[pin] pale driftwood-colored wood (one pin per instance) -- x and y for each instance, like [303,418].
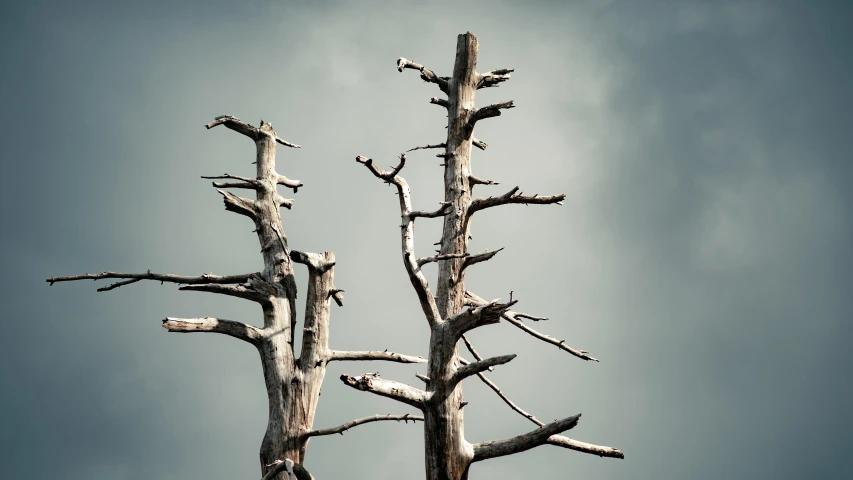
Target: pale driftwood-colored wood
[241,331]
[340,429]
[373,355]
[513,318]
[452,311]
[292,383]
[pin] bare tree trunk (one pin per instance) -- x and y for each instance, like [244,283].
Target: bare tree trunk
[453,310]
[293,384]
[448,454]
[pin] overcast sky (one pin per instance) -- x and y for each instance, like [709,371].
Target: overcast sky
[703,251]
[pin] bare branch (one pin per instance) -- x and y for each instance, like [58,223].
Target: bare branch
[513,196]
[477,316]
[239,291]
[489,111]
[557,440]
[378,172]
[472,180]
[439,101]
[442,211]
[482,257]
[509,402]
[494,78]
[481,366]
[407,232]
[361,421]
[284,202]
[512,317]
[286,143]
[479,144]
[523,442]
[443,256]
[438,145]
[422,378]
[135,277]
[294,184]
[387,356]
[335,293]
[243,206]
[245,182]
[583,447]
[387,388]
[117,284]
[426,74]
[235,124]
[242,331]
[473,351]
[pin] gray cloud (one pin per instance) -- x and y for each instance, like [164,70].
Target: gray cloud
[702,254]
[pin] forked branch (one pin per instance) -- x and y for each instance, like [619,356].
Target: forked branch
[407,232]
[494,78]
[340,429]
[135,277]
[476,316]
[246,129]
[514,196]
[513,318]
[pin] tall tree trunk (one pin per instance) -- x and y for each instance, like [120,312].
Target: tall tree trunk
[453,310]
[448,455]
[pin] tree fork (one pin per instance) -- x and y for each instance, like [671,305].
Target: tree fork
[293,385]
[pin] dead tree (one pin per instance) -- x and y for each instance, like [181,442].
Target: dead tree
[292,379]
[452,310]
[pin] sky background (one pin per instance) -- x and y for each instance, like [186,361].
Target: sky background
[703,252]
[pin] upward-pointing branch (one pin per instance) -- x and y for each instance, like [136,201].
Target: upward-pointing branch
[494,78]
[513,318]
[407,234]
[246,129]
[489,111]
[513,196]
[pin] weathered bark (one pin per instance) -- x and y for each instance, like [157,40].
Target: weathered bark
[293,384]
[448,455]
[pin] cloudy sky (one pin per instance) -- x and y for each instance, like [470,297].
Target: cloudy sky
[703,251]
